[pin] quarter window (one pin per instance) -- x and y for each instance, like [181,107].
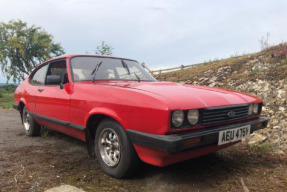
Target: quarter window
[39,76]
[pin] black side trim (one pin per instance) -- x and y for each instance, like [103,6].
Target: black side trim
[175,143]
[60,122]
[15,106]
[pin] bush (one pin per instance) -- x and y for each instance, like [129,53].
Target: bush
[9,88]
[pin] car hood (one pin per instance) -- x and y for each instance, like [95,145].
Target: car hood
[182,96]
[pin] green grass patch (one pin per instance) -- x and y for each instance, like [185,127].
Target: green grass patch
[6,100]
[262,148]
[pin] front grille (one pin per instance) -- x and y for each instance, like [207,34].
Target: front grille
[224,114]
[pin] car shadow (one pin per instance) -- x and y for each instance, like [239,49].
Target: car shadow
[200,172]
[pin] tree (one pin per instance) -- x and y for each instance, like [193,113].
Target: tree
[104,49]
[22,47]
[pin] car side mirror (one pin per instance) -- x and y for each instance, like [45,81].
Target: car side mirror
[64,80]
[53,80]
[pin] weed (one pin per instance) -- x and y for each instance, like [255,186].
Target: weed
[262,148]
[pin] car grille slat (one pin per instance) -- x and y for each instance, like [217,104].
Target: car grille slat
[220,114]
[224,114]
[222,118]
[225,111]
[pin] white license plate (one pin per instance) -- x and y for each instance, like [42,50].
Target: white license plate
[231,135]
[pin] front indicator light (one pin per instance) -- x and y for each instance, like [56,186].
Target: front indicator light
[192,141]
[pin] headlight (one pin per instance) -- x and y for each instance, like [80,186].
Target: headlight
[250,110]
[193,116]
[255,108]
[177,118]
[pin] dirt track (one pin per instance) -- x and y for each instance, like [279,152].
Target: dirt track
[35,164]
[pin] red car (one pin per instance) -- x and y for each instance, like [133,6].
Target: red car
[125,115]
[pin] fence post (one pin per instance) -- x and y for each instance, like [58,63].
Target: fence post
[144,66]
[181,67]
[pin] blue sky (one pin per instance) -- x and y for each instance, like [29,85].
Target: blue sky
[161,33]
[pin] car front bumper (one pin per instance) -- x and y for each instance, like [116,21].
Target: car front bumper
[177,143]
[15,106]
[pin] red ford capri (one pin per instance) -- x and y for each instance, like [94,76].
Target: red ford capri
[126,116]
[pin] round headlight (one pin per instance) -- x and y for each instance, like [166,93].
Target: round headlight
[177,118]
[193,116]
[255,108]
[250,110]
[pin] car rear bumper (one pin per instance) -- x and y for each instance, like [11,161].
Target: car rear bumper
[178,143]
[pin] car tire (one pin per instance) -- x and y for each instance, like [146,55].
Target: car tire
[114,151]
[31,127]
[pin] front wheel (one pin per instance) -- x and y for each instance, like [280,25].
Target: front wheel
[31,127]
[114,150]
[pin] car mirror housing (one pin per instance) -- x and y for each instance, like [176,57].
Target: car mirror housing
[53,80]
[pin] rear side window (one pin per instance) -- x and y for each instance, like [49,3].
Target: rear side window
[39,76]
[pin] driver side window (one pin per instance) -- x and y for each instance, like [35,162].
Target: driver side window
[58,68]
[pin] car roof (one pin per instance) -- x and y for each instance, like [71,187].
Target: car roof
[68,56]
[86,55]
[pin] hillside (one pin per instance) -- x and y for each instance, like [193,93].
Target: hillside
[263,74]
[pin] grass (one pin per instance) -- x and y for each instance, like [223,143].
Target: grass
[262,148]
[6,100]
[7,96]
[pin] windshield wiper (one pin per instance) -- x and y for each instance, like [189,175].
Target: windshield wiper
[128,70]
[138,78]
[94,72]
[126,67]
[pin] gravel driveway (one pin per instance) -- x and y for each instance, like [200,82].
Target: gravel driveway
[39,163]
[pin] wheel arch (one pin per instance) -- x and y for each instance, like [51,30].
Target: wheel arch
[92,121]
[21,106]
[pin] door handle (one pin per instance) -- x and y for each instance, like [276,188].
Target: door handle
[40,90]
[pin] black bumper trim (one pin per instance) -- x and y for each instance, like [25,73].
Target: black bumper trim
[60,122]
[175,143]
[15,106]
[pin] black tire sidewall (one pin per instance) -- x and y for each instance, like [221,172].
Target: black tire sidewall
[128,159]
[35,128]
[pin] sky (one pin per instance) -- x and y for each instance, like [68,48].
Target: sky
[161,33]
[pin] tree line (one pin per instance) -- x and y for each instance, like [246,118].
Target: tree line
[23,47]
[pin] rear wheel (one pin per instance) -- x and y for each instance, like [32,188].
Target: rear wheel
[31,127]
[114,150]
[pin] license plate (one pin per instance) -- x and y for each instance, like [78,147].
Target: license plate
[231,135]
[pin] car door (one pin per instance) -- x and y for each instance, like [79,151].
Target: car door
[52,101]
[36,82]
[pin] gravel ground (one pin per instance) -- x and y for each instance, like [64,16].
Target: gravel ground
[39,163]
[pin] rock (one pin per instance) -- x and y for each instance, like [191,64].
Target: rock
[276,139]
[280,152]
[274,121]
[276,127]
[65,188]
[256,138]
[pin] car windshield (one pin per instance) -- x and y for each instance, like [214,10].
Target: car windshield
[86,68]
